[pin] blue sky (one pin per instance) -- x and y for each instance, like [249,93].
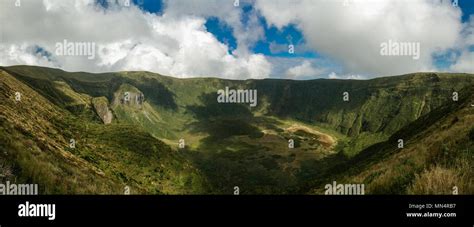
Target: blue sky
[223,32]
[276,40]
[467,8]
[195,38]
[290,33]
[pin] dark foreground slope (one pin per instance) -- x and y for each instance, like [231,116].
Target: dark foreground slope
[228,145]
[437,156]
[35,144]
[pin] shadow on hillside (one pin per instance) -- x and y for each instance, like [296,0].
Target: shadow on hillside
[156,93]
[376,153]
[210,108]
[227,160]
[310,101]
[48,90]
[255,169]
[221,120]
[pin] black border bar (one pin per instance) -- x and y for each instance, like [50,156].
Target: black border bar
[365,210]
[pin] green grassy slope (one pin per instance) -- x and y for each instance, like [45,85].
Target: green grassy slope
[231,145]
[437,156]
[36,135]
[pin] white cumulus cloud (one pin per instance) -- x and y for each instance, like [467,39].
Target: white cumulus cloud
[352,33]
[126,38]
[304,70]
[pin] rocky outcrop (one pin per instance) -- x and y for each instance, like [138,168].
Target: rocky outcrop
[101,107]
[128,95]
[132,98]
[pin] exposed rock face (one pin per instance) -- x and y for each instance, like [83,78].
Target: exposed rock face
[101,106]
[128,95]
[132,98]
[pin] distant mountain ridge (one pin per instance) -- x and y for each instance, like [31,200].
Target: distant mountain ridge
[228,144]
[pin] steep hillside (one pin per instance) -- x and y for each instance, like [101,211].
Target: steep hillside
[45,144]
[160,134]
[376,108]
[437,156]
